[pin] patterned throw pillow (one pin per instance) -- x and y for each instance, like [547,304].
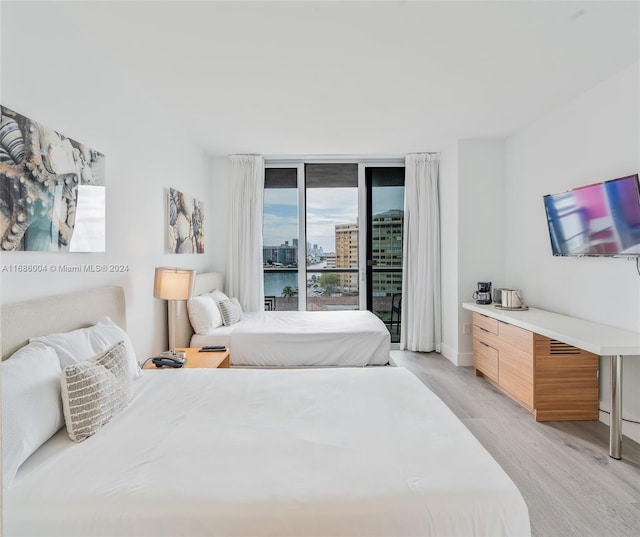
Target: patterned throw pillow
[94,391]
[231,311]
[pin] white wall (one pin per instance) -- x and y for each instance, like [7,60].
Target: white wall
[592,138]
[481,229]
[57,79]
[220,214]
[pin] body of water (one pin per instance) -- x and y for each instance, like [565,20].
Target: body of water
[275,282]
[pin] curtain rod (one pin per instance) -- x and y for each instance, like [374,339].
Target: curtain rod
[335,158]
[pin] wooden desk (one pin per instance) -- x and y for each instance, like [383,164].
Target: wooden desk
[197,359]
[597,338]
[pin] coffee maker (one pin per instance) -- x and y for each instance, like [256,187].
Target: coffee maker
[483,294]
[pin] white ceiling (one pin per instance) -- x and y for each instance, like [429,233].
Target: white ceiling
[360,77]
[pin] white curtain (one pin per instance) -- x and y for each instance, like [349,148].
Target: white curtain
[244,263]
[421,309]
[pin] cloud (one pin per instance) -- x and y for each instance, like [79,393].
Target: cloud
[278,229]
[326,208]
[340,202]
[280,220]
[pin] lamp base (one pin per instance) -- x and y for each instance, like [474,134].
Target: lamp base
[176,355]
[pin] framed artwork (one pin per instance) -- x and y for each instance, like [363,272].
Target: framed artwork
[52,189]
[186,223]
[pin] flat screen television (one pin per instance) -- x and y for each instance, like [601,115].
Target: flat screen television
[602,219]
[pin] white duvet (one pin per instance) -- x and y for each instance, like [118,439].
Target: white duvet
[304,338]
[237,452]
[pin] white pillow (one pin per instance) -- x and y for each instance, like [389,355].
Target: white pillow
[31,404]
[95,390]
[84,343]
[204,314]
[231,311]
[106,333]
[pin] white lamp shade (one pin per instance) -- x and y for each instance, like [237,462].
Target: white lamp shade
[173,283]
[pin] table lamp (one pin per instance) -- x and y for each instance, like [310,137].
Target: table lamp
[173,284]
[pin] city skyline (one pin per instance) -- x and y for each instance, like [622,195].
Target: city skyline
[331,288]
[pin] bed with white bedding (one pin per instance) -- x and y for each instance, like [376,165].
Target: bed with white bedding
[341,452]
[303,338]
[292,338]
[251,452]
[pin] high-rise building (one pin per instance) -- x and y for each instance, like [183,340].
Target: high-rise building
[330,258]
[285,254]
[387,232]
[347,255]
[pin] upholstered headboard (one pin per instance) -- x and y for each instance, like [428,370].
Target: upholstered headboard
[205,283]
[60,313]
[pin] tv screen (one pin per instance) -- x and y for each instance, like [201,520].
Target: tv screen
[602,219]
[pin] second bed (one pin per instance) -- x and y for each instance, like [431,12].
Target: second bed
[292,338]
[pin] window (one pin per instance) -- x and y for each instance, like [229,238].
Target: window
[280,239]
[333,237]
[331,193]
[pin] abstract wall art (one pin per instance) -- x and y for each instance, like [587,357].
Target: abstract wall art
[186,223]
[52,189]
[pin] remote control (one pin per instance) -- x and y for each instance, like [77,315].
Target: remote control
[213,348]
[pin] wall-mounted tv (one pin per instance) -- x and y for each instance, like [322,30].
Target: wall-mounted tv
[602,219]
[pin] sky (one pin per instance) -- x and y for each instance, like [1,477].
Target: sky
[326,207]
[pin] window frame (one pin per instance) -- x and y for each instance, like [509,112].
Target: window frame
[299,162]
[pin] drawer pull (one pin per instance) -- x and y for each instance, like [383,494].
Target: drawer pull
[483,329]
[483,343]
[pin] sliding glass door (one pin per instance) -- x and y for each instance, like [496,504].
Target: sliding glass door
[385,223]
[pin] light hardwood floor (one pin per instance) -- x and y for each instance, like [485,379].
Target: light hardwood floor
[570,484]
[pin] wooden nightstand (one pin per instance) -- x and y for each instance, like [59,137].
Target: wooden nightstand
[196,359]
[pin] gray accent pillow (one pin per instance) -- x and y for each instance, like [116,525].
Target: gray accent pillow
[231,311]
[95,390]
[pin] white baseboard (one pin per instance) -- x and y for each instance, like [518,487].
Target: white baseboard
[459,359]
[448,353]
[465,359]
[630,430]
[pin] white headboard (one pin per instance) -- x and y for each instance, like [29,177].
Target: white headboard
[60,313]
[205,283]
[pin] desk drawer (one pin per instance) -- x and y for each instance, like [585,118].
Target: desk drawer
[485,336]
[489,324]
[516,337]
[485,359]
